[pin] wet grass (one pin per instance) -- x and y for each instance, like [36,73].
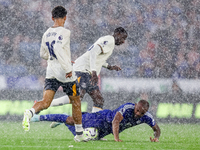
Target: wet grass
[42,137]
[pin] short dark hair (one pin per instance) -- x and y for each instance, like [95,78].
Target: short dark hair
[59,12]
[144,103]
[120,30]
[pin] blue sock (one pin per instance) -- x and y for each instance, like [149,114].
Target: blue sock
[71,128]
[54,117]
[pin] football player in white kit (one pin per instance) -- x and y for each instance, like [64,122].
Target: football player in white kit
[55,48]
[88,66]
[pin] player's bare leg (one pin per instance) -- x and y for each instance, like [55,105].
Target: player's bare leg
[46,101]
[38,106]
[97,99]
[61,101]
[98,102]
[82,93]
[76,109]
[55,102]
[77,117]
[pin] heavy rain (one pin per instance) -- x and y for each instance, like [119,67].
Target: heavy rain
[159,61]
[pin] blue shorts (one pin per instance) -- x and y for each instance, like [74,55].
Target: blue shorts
[70,88]
[84,80]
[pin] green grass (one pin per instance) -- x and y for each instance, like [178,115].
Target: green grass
[42,137]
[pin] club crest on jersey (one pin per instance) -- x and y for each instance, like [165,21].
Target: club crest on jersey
[60,37]
[105,42]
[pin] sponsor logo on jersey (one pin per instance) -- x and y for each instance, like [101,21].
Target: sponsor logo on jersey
[122,110]
[103,44]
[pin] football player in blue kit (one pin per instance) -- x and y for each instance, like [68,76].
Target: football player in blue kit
[111,121]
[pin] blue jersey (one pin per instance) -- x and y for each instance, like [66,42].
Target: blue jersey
[102,120]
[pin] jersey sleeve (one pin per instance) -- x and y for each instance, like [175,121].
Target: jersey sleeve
[126,109]
[105,65]
[62,51]
[148,119]
[43,50]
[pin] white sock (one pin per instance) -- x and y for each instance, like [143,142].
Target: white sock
[78,127]
[96,109]
[60,101]
[33,111]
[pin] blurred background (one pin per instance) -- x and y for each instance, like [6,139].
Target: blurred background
[160,59]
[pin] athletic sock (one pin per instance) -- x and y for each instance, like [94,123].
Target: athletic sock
[32,110]
[96,109]
[60,101]
[79,129]
[54,117]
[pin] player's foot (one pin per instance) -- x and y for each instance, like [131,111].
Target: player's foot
[55,124]
[35,118]
[26,120]
[81,138]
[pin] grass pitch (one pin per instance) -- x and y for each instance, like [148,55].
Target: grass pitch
[42,137]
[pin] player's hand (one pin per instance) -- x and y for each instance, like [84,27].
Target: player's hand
[114,68]
[94,78]
[118,140]
[154,140]
[68,75]
[73,62]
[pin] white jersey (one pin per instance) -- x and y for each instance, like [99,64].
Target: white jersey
[107,44]
[55,48]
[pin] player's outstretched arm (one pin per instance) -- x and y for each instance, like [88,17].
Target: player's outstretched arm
[113,67]
[115,126]
[156,130]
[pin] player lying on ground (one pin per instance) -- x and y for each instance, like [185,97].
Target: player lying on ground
[108,121]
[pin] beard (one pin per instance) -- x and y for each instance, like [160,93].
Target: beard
[117,42]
